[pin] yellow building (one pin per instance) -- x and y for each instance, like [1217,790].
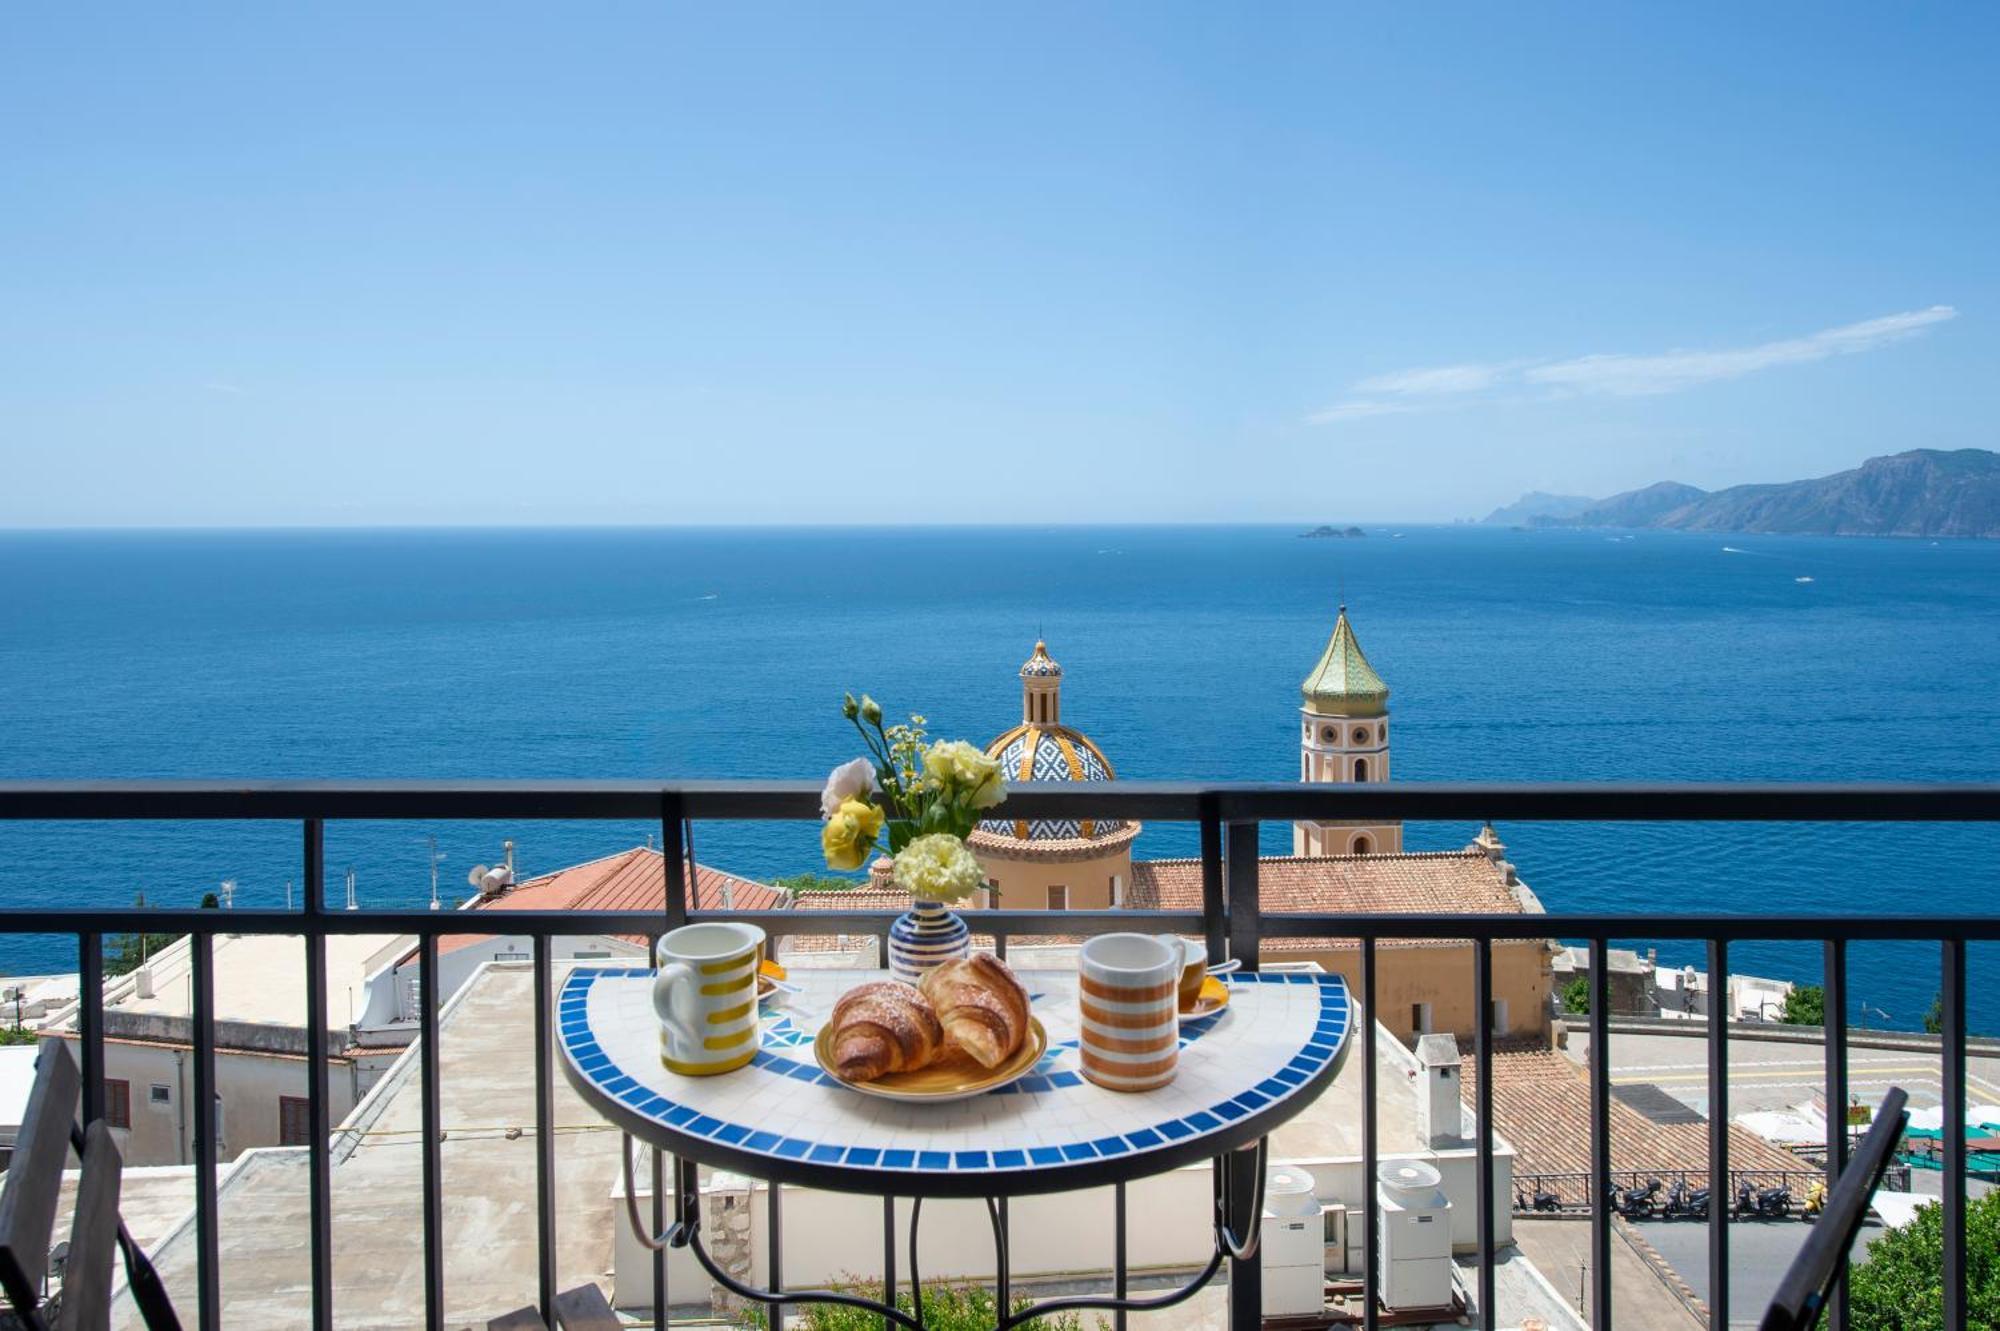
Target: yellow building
[1052,864]
[1344,737]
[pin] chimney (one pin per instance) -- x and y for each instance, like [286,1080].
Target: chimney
[508,847]
[1440,1114]
[729,894]
[142,982]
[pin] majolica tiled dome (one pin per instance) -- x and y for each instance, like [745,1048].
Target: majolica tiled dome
[1043,749]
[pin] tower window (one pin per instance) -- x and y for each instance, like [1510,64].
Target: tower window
[1360,769]
[1361,734]
[1362,845]
[1059,898]
[1330,735]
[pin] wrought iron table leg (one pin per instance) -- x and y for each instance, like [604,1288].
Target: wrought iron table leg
[1239,1206]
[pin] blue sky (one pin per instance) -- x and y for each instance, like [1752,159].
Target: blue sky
[494,263]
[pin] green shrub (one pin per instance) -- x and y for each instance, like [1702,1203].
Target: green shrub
[947,1307]
[1805,1005]
[1576,996]
[817,882]
[1900,1285]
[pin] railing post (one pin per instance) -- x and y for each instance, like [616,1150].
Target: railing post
[1482,969]
[1719,1196]
[1836,1100]
[673,857]
[90,1021]
[1370,1143]
[432,1129]
[319,1129]
[1600,1137]
[208,1110]
[1214,907]
[545,1139]
[1951,999]
[1240,881]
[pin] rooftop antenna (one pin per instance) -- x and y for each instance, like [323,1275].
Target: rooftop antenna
[351,903]
[229,894]
[436,860]
[288,894]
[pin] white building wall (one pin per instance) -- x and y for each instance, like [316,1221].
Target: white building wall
[248,1084]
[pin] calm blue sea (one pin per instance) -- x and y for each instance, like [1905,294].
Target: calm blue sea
[648,653]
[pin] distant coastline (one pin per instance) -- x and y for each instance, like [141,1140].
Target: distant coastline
[1920,493]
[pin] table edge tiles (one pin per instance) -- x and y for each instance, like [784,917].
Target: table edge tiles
[650,1118]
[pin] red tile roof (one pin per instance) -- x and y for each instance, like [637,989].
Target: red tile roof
[1443,882]
[1541,1103]
[632,880]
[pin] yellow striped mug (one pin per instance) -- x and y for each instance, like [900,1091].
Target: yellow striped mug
[706,997]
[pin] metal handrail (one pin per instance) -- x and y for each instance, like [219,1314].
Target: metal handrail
[1228,815]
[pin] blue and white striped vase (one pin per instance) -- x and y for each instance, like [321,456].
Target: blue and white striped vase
[923,938]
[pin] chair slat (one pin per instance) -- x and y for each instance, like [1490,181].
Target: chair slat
[93,1237]
[585,1309]
[34,1176]
[1803,1289]
[521,1319]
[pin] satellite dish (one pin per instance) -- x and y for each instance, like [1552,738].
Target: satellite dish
[478,875]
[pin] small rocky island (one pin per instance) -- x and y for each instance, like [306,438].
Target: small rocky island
[1331,533]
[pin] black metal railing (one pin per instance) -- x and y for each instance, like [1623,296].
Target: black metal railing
[1228,816]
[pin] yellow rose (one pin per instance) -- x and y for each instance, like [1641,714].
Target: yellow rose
[849,834]
[963,770]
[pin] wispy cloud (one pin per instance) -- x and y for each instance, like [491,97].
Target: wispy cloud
[1347,411]
[1619,375]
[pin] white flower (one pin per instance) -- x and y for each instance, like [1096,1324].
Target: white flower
[938,867]
[849,781]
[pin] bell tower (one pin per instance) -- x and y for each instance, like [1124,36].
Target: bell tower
[1344,737]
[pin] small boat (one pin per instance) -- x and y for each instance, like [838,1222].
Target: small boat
[1805,579]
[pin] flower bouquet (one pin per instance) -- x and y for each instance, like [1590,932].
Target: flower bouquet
[915,801]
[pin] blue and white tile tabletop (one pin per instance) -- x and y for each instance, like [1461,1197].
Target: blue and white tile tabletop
[1243,1071]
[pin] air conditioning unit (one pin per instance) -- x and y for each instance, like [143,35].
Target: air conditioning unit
[1293,1248]
[1414,1235]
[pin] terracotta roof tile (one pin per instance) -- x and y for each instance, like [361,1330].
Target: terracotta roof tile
[632,880]
[1541,1104]
[1444,882]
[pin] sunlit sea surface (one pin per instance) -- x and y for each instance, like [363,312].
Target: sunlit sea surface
[1512,656]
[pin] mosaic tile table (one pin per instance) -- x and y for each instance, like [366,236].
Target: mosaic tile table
[1242,1072]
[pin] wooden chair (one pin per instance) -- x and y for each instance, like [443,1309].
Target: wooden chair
[581,1309]
[28,1211]
[1807,1283]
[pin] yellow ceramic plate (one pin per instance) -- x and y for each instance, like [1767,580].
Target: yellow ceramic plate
[956,1076]
[1214,997]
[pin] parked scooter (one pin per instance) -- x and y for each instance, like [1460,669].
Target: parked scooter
[1637,1203]
[1815,1200]
[1765,1204]
[1685,1203]
[1544,1199]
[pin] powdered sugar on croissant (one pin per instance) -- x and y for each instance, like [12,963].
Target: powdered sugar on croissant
[883,1027]
[983,1008]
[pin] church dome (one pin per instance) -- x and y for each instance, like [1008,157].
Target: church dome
[1041,748]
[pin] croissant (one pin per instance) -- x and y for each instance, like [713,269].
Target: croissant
[983,1008]
[883,1027]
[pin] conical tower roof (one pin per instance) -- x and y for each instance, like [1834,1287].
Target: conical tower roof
[1343,683]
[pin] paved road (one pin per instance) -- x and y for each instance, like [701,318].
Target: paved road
[1767,1075]
[1759,1252]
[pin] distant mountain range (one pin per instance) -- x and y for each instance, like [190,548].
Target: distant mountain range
[1924,492]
